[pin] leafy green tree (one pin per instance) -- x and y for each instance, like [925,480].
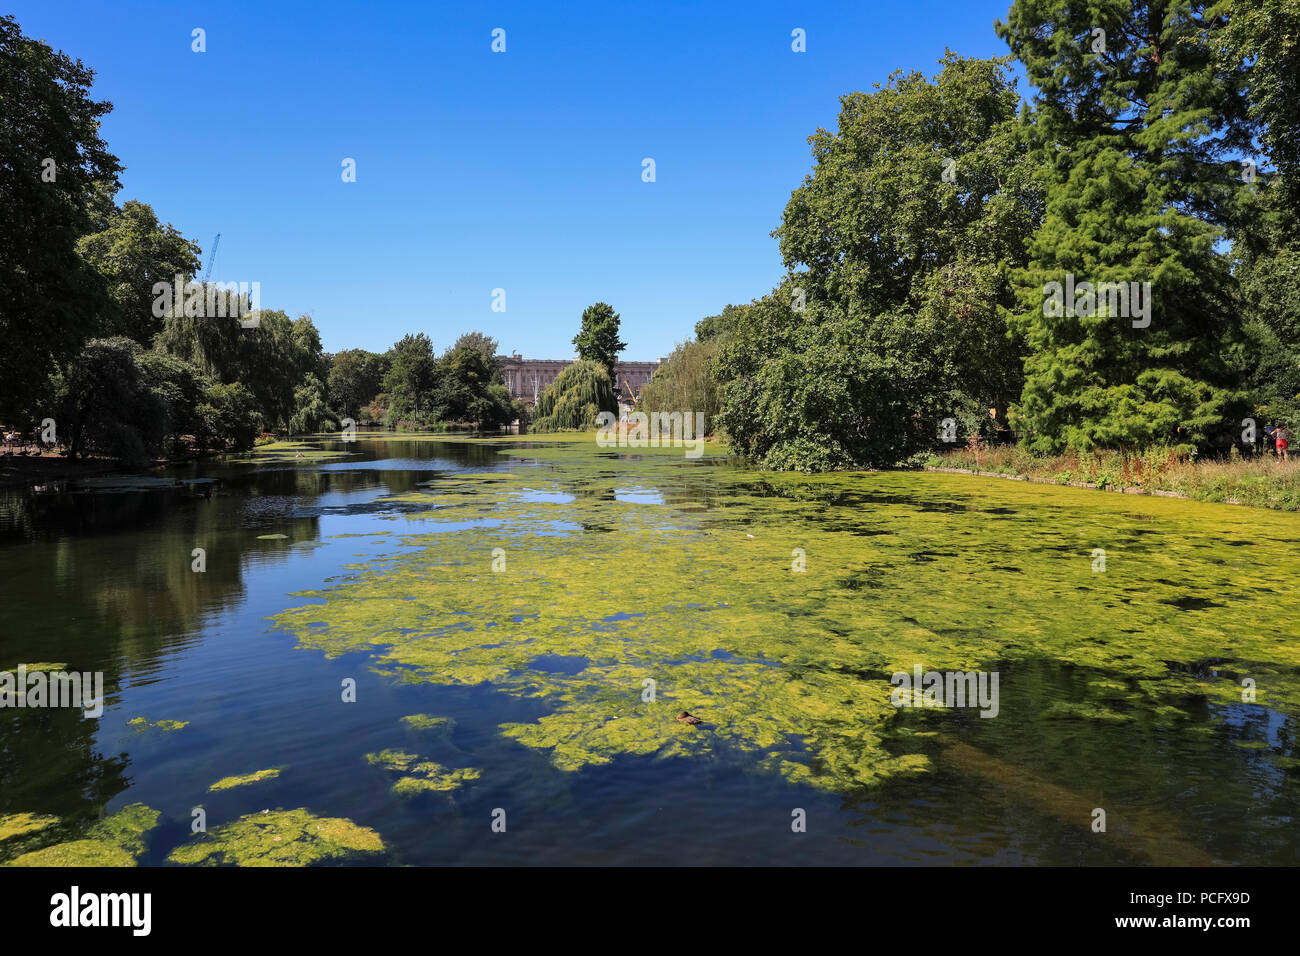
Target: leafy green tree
[272,360]
[598,340]
[309,356]
[470,385]
[574,399]
[1265,35]
[684,382]
[1139,136]
[713,326]
[229,418]
[212,343]
[105,405]
[132,254]
[481,342]
[411,378]
[181,388]
[311,408]
[1267,266]
[355,378]
[56,175]
[897,243]
[829,387]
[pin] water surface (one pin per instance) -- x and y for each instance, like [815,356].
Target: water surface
[505,609]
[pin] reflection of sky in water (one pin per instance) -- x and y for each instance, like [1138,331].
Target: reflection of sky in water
[639,496]
[545,497]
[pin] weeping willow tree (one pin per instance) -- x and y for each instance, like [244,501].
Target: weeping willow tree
[684,382]
[574,399]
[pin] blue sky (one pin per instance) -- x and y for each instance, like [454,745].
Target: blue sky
[476,170]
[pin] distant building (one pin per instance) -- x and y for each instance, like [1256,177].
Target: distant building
[528,378]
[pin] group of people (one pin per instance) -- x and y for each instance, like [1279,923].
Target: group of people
[14,439]
[1281,437]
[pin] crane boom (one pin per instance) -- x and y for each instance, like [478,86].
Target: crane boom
[212,258]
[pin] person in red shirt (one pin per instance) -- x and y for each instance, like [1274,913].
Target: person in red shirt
[1280,437]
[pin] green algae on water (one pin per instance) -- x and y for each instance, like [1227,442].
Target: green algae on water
[127,827]
[703,597]
[420,775]
[287,451]
[115,841]
[428,722]
[76,853]
[229,783]
[280,838]
[142,723]
[18,824]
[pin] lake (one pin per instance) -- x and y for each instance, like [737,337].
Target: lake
[421,651]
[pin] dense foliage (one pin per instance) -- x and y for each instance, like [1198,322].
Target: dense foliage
[578,394]
[684,383]
[597,341]
[898,245]
[955,257]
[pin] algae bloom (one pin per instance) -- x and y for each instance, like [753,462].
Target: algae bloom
[229,783]
[280,838]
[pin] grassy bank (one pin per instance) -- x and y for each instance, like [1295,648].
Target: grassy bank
[1261,482]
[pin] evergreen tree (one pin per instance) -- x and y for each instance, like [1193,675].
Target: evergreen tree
[1140,128]
[598,340]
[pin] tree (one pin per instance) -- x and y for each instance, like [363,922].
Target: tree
[410,380]
[132,254]
[55,176]
[1267,266]
[181,388]
[470,385]
[713,326]
[1265,36]
[1139,134]
[355,378]
[598,339]
[272,360]
[105,405]
[229,418]
[484,344]
[684,382]
[311,409]
[896,244]
[573,400]
[830,387]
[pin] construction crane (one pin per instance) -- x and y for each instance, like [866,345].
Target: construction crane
[212,258]
[627,385]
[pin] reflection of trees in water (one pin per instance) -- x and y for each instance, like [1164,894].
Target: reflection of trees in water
[40,746]
[103,582]
[1038,771]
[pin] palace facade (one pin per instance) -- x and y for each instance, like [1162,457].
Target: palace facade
[528,378]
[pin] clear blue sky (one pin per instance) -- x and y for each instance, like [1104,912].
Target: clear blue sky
[478,170]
